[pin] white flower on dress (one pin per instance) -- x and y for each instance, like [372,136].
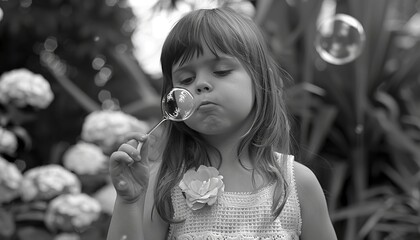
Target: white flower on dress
[48,181]
[22,88]
[107,128]
[10,180]
[8,142]
[72,212]
[202,187]
[85,158]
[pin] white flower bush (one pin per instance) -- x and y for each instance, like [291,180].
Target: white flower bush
[22,88]
[107,128]
[10,181]
[85,158]
[72,212]
[202,187]
[8,142]
[67,236]
[106,197]
[48,181]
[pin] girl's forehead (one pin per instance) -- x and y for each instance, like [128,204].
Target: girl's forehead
[203,56]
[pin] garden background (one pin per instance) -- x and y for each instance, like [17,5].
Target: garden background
[356,123]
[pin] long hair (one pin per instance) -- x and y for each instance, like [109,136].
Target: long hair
[223,30]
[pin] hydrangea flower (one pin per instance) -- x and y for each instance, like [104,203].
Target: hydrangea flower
[85,158]
[10,181]
[202,187]
[48,181]
[67,236]
[107,128]
[8,142]
[22,88]
[106,197]
[72,212]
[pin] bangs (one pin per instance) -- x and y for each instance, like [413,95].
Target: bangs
[198,30]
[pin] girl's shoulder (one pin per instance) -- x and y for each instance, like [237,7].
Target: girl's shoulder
[306,182]
[314,210]
[302,173]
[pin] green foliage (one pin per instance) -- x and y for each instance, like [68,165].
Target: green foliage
[357,123]
[60,39]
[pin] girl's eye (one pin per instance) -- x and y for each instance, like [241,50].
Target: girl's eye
[222,73]
[187,81]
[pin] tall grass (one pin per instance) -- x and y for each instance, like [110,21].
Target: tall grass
[358,124]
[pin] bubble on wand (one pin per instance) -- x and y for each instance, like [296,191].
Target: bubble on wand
[178,105]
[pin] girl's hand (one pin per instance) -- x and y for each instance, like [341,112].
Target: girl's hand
[129,168]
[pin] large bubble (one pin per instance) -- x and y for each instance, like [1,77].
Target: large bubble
[340,39]
[178,105]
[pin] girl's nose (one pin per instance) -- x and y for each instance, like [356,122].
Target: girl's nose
[203,87]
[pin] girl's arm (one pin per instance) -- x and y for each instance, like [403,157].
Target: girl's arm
[316,223]
[133,221]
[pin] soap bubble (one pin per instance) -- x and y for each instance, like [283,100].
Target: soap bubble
[178,105]
[340,39]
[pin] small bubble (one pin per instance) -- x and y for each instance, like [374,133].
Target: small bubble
[104,95]
[50,44]
[111,3]
[359,129]
[340,39]
[25,3]
[98,63]
[121,48]
[105,73]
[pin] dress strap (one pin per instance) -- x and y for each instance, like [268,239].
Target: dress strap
[293,189]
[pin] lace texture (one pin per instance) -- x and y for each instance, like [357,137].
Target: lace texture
[239,215]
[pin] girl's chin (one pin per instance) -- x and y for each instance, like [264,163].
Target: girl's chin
[208,125]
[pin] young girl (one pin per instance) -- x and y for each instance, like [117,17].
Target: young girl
[225,172]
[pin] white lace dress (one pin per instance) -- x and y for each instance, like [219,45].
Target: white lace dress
[239,215]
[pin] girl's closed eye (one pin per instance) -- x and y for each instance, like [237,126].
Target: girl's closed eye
[184,78]
[187,81]
[222,73]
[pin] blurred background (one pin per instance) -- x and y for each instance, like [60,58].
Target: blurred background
[75,75]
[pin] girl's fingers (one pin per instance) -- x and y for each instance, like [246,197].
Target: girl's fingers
[121,157]
[140,137]
[130,150]
[132,143]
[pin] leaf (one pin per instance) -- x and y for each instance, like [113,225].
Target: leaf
[322,123]
[22,134]
[7,223]
[337,182]
[397,227]
[392,215]
[396,136]
[389,103]
[32,233]
[54,65]
[362,209]
[398,179]
[375,218]
[31,216]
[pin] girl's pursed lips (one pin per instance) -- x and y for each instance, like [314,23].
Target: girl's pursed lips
[206,104]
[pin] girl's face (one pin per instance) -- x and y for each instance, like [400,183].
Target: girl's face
[223,90]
